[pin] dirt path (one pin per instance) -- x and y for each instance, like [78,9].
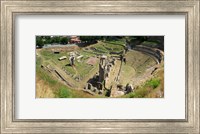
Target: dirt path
[76,72]
[120,68]
[113,78]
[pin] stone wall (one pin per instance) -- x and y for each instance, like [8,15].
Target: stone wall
[156,53]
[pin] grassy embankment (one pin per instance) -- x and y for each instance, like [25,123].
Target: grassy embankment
[46,83]
[153,88]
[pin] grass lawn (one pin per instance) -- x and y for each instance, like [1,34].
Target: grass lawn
[81,68]
[127,73]
[107,47]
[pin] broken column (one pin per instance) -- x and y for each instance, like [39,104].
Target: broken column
[102,68]
[72,58]
[129,88]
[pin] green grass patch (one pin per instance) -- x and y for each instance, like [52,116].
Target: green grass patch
[70,69]
[108,46]
[87,54]
[46,54]
[150,43]
[83,68]
[154,83]
[116,42]
[38,61]
[113,46]
[64,93]
[44,76]
[140,93]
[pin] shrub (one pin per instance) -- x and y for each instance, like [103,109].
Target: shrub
[154,83]
[139,93]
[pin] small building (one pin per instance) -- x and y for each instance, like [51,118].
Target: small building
[74,39]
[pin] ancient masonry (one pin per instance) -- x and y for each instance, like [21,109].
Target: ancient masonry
[157,54]
[105,66]
[102,80]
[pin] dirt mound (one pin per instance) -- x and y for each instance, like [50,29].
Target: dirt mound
[92,61]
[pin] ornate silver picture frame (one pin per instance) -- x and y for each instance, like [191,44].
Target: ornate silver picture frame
[190,9]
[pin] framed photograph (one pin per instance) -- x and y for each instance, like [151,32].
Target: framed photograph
[100,66]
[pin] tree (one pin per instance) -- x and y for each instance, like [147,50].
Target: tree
[90,38]
[63,40]
[47,39]
[55,39]
[39,41]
